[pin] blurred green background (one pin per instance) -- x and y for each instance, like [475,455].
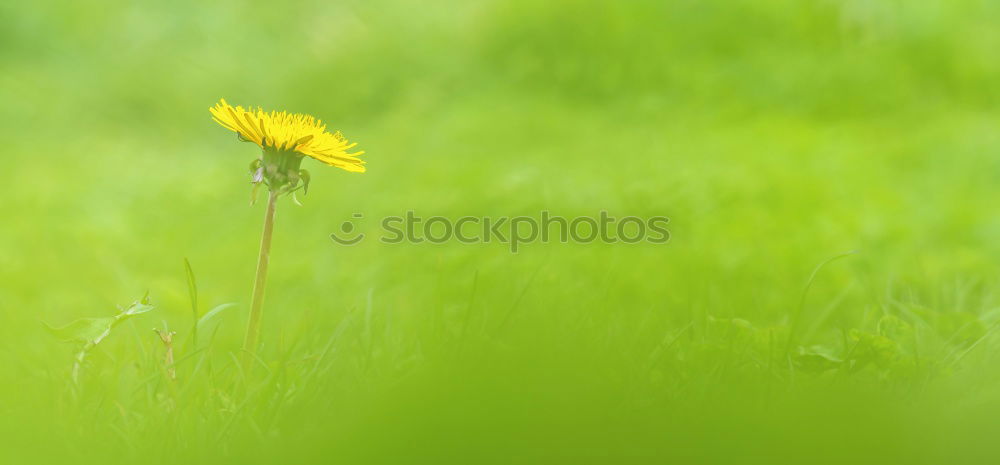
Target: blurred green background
[775,134]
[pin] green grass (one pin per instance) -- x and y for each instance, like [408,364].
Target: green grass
[775,135]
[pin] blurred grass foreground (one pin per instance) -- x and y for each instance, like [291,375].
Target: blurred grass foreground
[774,134]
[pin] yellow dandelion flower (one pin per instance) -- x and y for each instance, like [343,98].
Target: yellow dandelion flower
[290,134]
[285,139]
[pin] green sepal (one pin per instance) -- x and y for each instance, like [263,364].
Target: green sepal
[253,193]
[304,176]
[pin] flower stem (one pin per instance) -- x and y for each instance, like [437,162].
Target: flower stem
[257,304]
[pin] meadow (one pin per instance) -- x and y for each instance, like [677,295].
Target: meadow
[830,169]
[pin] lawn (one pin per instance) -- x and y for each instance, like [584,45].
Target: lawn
[830,171]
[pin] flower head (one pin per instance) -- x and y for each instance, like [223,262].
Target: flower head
[285,139]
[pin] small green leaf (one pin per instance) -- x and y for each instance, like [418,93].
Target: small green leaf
[210,315]
[871,348]
[83,330]
[816,359]
[136,308]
